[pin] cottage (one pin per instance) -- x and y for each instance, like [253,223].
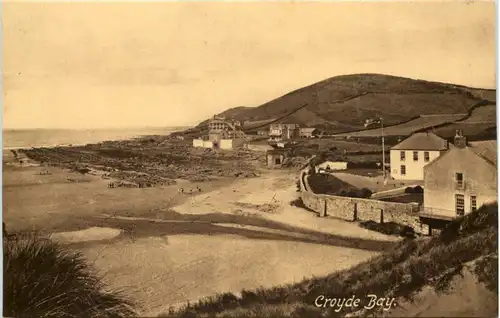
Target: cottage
[283,131]
[275,158]
[409,157]
[307,132]
[331,166]
[459,181]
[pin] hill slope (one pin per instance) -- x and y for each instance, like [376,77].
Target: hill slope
[346,101]
[463,255]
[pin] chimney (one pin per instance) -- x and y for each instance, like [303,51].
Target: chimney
[460,140]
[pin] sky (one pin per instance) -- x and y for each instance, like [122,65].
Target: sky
[101,65]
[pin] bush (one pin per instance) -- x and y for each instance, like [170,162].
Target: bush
[363,165]
[418,189]
[486,215]
[328,184]
[409,190]
[389,228]
[364,193]
[414,190]
[43,279]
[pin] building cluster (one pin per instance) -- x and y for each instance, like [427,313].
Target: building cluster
[284,131]
[458,177]
[227,134]
[222,134]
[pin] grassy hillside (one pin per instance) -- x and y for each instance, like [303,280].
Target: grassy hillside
[346,101]
[401,273]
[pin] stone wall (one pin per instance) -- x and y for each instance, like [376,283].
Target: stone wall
[357,209]
[262,148]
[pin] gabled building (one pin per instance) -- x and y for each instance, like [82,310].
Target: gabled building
[222,134]
[410,156]
[459,181]
[307,132]
[283,131]
[276,158]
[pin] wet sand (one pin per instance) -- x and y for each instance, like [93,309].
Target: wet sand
[172,247]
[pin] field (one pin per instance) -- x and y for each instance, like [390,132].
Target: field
[481,124]
[482,115]
[404,129]
[257,125]
[472,131]
[342,145]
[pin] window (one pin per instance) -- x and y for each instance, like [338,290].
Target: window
[426,156]
[403,170]
[459,177]
[277,161]
[459,204]
[473,203]
[415,156]
[402,156]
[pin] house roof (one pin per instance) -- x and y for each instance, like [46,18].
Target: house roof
[486,149]
[307,129]
[422,141]
[483,149]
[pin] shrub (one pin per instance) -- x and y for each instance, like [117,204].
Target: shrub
[43,279]
[328,184]
[409,190]
[486,215]
[352,193]
[418,189]
[363,165]
[365,193]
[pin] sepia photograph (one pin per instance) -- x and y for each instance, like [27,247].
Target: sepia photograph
[249,159]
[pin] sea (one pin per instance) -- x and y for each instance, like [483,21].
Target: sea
[27,138]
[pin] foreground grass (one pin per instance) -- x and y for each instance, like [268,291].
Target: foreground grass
[43,279]
[399,273]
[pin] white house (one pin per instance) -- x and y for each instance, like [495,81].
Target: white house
[410,156]
[460,181]
[331,166]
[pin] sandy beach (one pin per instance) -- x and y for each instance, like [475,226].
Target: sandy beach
[164,247]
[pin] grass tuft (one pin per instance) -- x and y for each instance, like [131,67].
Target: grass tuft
[44,279]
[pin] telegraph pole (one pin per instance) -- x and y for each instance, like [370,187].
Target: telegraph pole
[383,146]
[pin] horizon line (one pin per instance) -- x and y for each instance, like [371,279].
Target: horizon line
[96,128]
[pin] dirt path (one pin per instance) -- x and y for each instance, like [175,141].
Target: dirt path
[269,197]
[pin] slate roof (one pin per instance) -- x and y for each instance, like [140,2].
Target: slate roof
[486,149]
[422,141]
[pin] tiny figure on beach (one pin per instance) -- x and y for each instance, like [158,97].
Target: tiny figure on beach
[181,190]
[198,188]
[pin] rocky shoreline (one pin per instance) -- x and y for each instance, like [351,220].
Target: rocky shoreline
[149,161]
